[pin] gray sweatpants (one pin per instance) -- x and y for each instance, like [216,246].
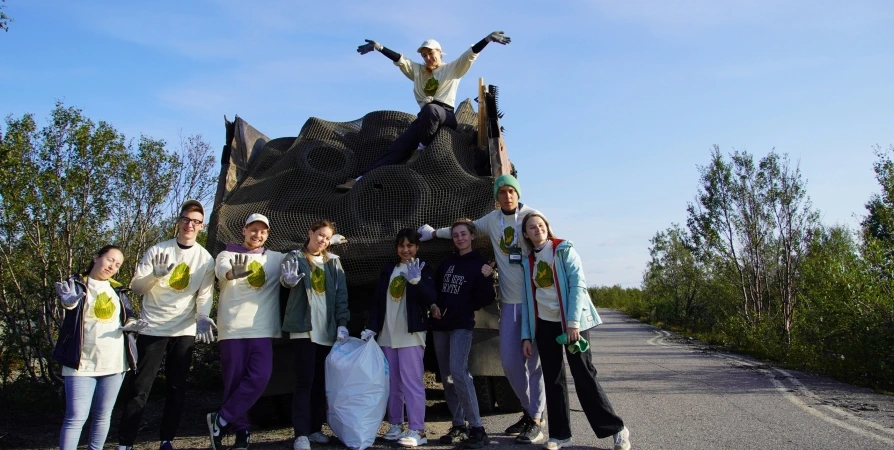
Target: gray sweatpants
[452,349]
[525,376]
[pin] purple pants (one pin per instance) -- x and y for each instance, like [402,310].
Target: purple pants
[246,365]
[405,368]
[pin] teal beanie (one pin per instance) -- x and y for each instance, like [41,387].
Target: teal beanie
[506,180]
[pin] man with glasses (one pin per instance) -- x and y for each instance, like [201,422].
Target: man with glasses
[175,278]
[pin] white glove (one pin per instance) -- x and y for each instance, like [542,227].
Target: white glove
[135,326]
[204,334]
[239,267]
[290,274]
[338,239]
[342,334]
[367,334]
[161,265]
[68,293]
[414,271]
[427,232]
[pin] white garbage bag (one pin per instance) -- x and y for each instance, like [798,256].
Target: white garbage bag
[357,391]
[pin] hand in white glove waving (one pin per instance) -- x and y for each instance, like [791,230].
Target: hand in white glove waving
[204,333]
[414,270]
[68,293]
[240,267]
[290,274]
[161,265]
[427,232]
[342,334]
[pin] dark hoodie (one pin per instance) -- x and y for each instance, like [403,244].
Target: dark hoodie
[462,290]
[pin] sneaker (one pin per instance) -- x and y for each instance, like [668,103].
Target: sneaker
[318,438]
[301,443]
[622,439]
[243,439]
[518,427]
[457,434]
[556,444]
[413,438]
[531,434]
[346,186]
[125,447]
[215,430]
[394,433]
[477,438]
[166,445]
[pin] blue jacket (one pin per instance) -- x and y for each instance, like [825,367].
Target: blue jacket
[297,315]
[71,336]
[420,297]
[575,304]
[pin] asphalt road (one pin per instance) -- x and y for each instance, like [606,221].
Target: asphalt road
[676,395]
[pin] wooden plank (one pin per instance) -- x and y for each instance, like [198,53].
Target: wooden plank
[482,115]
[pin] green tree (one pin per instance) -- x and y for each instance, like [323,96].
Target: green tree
[674,278]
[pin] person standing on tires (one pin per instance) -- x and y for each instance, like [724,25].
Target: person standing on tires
[556,316]
[503,226]
[176,280]
[434,86]
[249,277]
[465,284]
[398,316]
[316,316]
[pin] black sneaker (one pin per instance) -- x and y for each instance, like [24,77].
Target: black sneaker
[243,439]
[457,434]
[477,438]
[519,426]
[215,430]
[531,434]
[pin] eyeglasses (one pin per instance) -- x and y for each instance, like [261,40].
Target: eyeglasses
[187,221]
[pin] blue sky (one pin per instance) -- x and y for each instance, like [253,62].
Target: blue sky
[610,105]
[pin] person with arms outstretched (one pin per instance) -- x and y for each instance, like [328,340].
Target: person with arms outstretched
[434,86]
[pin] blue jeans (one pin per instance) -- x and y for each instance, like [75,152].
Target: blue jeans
[84,395]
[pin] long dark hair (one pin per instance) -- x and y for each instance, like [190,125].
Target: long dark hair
[412,236]
[100,253]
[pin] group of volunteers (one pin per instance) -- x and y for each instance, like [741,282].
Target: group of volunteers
[545,314]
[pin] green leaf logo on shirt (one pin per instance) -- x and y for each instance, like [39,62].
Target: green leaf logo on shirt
[318,280]
[258,277]
[544,276]
[507,239]
[179,279]
[431,86]
[397,288]
[103,308]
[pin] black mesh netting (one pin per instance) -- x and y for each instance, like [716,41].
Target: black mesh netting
[292,181]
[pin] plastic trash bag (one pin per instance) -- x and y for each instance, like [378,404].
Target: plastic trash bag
[356,391]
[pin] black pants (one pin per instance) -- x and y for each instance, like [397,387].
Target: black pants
[422,130]
[309,397]
[177,355]
[592,398]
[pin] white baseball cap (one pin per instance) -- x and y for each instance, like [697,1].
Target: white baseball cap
[257,217]
[430,43]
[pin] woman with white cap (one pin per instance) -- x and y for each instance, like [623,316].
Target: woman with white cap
[434,85]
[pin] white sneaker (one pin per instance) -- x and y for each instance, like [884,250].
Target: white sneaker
[394,433]
[301,443]
[319,438]
[556,444]
[413,439]
[622,440]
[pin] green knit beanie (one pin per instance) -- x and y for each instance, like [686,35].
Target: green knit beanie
[506,180]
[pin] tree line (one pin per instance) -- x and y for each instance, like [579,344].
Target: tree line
[755,270]
[68,188]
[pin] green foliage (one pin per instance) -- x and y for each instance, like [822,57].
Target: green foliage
[77,185]
[629,300]
[5,20]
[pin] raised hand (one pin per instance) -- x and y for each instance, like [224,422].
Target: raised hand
[161,265]
[498,37]
[414,270]
[369,46]
[68,293]
[290,274]
[240,267]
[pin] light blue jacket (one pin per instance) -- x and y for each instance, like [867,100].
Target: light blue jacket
[575,304]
